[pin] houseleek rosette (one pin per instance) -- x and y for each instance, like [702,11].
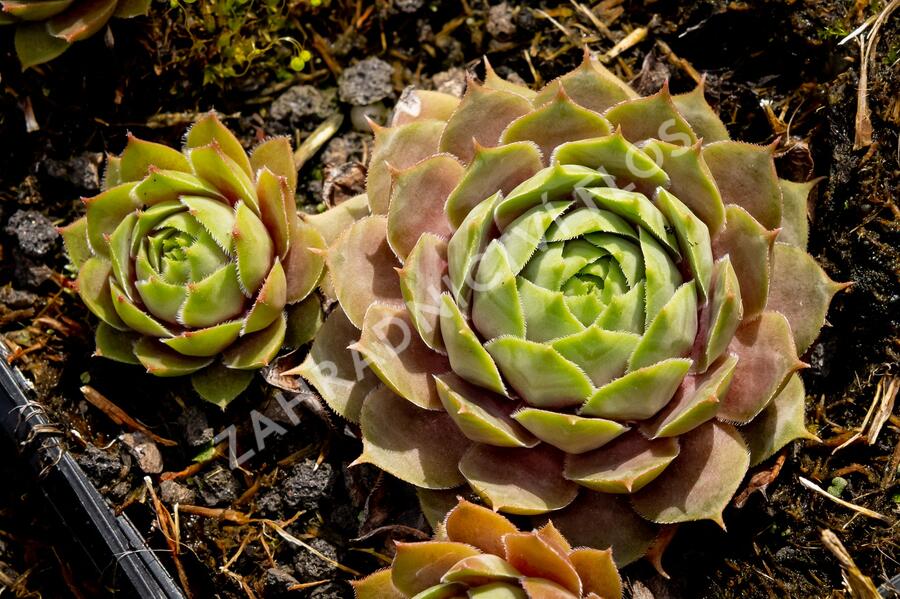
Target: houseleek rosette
[575,301]
[481,554]
[190,258]
[46,28]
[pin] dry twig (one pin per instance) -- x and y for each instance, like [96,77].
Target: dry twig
[859,585]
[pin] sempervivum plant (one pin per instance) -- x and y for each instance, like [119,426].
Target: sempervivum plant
[578,301]
[479,553]
[46,28]
[193,254]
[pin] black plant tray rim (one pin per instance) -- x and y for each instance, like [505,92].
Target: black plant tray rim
[109,541]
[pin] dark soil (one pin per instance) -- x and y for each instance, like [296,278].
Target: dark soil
[774,70]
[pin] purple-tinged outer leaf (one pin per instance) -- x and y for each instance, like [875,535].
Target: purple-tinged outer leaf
[606,521]
[422,283]
[801,291]
[29,10]
[625,465]
[766,358]
[398,148]
[482,116]
[703,119]
[780,423]
[361,265]
[398,437]
[340,376]
[745,175]
[749,247]
[417,202]
[795,212]
[701,481]
[535,486]
[399,356]
[420,104]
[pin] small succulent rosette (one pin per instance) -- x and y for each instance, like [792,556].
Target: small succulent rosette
[196,261]
[478,553]
[46,28]
[577,301]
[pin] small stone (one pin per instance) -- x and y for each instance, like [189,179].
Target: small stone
[102,467]
[309,566]
[501,21]
[145,451]
[33,231]
[173,492]
[306,486]
[82,171]
[31,274]
[408,6]
[218,487]
[451,81]
[16,299]
[269,503]
[195,427]
[366,82]
[278,583]
[298,103]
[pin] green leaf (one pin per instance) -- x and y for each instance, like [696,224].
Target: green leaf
[672,332]
[205,342]
[693,238]
[480,416]
[209,130]
[141,157]
[539,373]
[572,434]
[115,345]
[256,350]
[215,299]
[34,44]
[550,184]
[654,386]
[219,385]
[467,355]
[496,309]
[253,249]
[161,361]
[93,287]
[75,240]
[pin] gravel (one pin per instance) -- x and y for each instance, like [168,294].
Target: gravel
[366,82]
[34,232]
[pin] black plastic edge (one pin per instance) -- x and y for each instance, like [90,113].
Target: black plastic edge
[109,541]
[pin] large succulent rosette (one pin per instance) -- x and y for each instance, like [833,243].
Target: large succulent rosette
[190,258]
[479,553]
[46,28]
[575,301]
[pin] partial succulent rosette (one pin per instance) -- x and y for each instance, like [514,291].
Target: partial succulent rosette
[46,28]
[479,553]
[196,261]
[577,301]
